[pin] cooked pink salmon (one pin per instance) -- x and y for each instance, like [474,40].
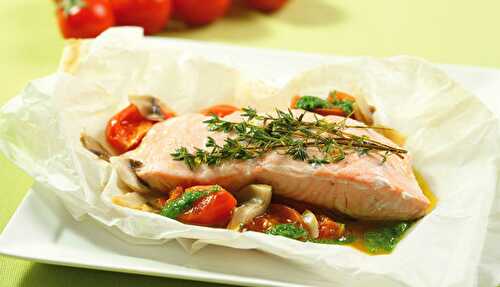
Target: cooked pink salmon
[359,186]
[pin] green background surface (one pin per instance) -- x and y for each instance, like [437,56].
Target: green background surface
[446,31]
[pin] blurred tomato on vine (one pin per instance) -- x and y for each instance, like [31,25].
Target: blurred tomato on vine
[84,18]
[200,12]
[152,15]
[267,6]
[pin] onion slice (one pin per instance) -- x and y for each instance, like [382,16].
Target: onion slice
[363,112]
[256,199]
[311,223]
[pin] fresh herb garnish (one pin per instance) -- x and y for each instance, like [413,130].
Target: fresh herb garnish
[260,134]
[347,239]
[289,230]
[185,202]
[385,238]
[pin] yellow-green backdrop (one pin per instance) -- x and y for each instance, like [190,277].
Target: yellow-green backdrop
[445,31]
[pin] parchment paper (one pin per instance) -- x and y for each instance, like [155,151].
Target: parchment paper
[453,137]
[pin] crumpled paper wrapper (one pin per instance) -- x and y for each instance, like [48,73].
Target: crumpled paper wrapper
[453,137]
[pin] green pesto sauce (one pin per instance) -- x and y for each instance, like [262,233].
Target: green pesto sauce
[345,106]
[310,103]
[182,204]
[377,241]
[381,240]
[186,201]
[293,231]
[289,230]
[385,239]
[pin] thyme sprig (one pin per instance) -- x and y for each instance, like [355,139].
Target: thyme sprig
[286,132]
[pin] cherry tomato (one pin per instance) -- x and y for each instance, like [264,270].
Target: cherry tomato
[152,15]
[329,229]
[219,110]
[267,6]
[277,214]
[200,12]
[214,210]
[84,18]
[126,129]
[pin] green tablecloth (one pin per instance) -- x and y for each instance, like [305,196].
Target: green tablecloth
[446,31]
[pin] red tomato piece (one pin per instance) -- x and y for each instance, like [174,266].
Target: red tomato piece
[213,210]
[266,6]
[284,214]
[329,229]
[200,12]
[220,110]
[84,18]
[330,112]
[126,129]
[152,15]
[276,214]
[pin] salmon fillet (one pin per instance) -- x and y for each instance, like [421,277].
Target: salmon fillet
[359,186]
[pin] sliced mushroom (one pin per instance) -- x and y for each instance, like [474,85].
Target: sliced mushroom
[95,147]
[126,170]
[150,107]
[311,223]
[256,199]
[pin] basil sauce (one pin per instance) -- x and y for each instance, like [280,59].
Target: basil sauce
[289,230]
[310,103]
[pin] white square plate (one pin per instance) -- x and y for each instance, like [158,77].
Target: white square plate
[42,230]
